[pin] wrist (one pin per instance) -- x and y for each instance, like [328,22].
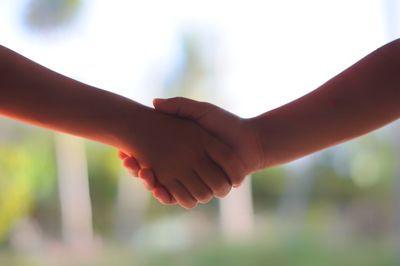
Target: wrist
[129,125]
[267,134]
[253,133]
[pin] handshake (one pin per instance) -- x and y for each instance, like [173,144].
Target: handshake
[197,152]
[187,152]
[206,150]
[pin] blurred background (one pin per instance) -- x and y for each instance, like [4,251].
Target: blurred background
[67,201]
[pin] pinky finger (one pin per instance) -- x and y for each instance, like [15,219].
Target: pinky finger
[122,155]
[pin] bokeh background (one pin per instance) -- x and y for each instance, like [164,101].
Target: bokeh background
[68,201]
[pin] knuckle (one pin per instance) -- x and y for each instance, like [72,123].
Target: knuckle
[236,179]
[147,186]
[188,204]
[178,98]
[206,201]
[162,201]
[223,190]
[133,173]
[231,166]
[204,197]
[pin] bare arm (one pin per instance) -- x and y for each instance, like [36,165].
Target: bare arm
[39,96]
[191,163]
[362,98]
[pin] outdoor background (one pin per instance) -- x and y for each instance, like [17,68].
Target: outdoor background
[67,201]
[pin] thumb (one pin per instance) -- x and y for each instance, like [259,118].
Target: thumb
[182,107]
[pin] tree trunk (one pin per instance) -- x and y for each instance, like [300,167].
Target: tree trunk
[76,210]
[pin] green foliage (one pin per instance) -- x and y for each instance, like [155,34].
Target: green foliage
[306,250]
[27,176]
[349,172]
[104,169]
[267,186]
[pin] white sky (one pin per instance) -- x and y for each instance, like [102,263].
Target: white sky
[270,52]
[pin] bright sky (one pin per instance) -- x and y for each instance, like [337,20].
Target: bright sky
[269,52]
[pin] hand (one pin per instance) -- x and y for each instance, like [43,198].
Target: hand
[189,163]
[238,133]
[148,179]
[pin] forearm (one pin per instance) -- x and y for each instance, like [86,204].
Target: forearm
[362,98]
[36,95]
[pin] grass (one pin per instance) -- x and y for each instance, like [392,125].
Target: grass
[299,251]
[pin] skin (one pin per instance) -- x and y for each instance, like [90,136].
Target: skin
[191,164]
[364,97]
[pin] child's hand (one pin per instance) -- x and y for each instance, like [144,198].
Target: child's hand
[240,134]
[189,163]
[148,179]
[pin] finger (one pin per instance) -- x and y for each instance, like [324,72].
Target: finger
[132,165]
[173,200]
[226,159]
[197,188]
[163,196]
[181,107]
[158,190]
[148,178]
[181,194]
[122,155]
[214,177]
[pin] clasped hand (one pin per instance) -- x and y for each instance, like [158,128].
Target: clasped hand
[208,152]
